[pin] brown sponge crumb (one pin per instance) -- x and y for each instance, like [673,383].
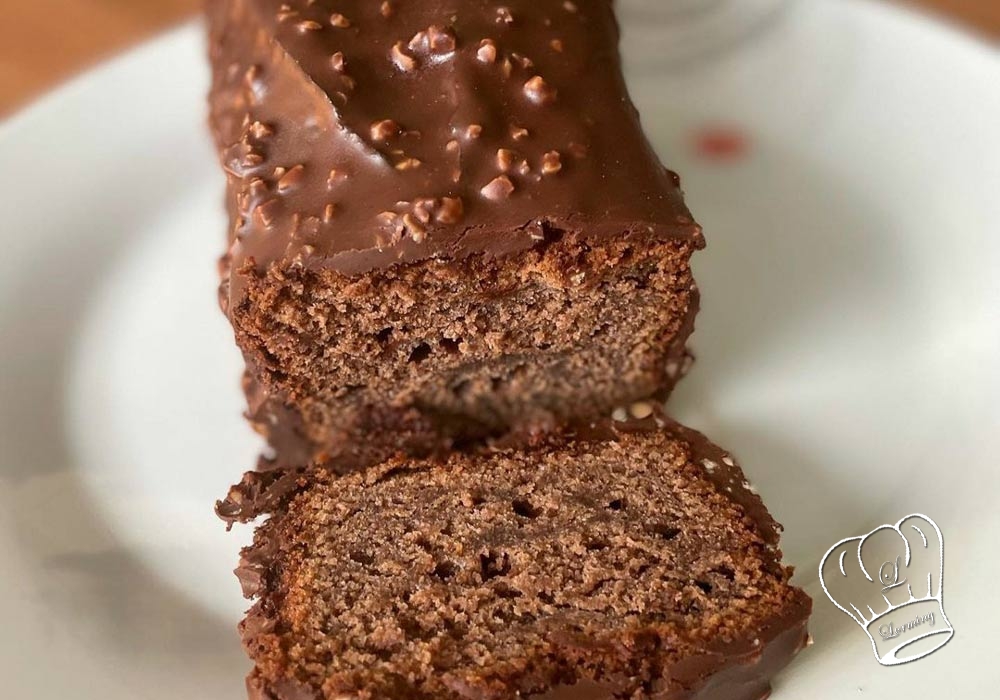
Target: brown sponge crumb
[619,563]
[425,357]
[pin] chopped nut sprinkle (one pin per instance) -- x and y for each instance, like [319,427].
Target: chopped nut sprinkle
[408,164]
[451,210]
[419,41]
[505,159]
[335,176]
[487,52]
[551,163]
[518,132]
[266,212]
[339,21]
[498,189]
[291,179]
[522,60]
[403,61]
[308,26]
[384,130]
[417,230]
[422,210]
[539,91]
[260,130]
[251,75]
[257,187]
[440,39]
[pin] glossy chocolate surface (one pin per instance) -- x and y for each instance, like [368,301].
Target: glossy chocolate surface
[358,134]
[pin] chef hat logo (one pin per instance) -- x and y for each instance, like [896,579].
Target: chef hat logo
[890,582]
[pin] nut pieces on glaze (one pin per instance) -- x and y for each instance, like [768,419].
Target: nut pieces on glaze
[507,102]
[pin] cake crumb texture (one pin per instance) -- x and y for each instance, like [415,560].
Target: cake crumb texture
[617,563]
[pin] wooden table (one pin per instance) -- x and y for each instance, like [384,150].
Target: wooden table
[88,30]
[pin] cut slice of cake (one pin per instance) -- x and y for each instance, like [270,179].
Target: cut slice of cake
[446,222]
[630,561]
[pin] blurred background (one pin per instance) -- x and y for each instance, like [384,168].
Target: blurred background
[43,42]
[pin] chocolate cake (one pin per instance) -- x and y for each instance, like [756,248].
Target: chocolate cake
[630,560]
[446,222]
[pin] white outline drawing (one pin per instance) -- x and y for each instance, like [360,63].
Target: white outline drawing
[909,584]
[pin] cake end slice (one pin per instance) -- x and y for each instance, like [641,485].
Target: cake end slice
[629,561]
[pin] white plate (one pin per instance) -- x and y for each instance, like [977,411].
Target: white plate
[848,344]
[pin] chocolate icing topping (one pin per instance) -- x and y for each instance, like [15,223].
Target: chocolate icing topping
[722,675]
[360,134]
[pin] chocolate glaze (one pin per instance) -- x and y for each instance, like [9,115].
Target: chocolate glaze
[359,134]
[718,675]
[279,423]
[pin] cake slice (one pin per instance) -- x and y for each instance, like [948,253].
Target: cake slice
[446,222]
[630,561]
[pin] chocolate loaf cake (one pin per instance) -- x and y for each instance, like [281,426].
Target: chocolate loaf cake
[446,222]
[631,561]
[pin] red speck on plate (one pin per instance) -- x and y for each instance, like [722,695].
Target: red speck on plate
[719,143]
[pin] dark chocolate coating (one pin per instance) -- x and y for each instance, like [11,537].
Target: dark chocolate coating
[742,671]
[358,134]
[737,674]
